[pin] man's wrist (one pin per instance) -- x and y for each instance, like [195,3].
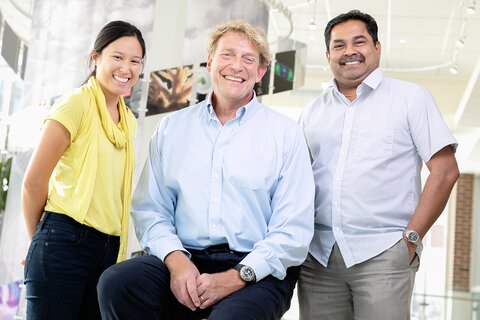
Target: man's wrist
[412,236]
[173,257]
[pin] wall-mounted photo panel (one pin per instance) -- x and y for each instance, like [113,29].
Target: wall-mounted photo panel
[284,71]
[169,90]
[300,63]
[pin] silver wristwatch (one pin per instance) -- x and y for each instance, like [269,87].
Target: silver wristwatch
[246,273]
[413,236]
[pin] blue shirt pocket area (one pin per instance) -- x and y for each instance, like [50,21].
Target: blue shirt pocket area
[247,170]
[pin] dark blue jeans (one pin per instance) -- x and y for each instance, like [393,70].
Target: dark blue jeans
[139,288]
[63,264]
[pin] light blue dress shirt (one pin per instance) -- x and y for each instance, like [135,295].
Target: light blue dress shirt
[367,158]
[247,183]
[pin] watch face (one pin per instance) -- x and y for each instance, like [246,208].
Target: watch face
[247,274]
[412,237]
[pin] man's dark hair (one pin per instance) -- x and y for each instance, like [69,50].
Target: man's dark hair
[370,23]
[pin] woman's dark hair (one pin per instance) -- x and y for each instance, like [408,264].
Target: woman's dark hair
[111,32]
[370,23]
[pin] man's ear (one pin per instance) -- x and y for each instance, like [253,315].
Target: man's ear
[378,46]
[209,63]
[262,69]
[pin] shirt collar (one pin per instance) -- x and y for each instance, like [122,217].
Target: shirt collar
[243,113]
[372,81]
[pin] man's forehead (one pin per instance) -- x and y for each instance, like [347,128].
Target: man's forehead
[353,37]
[352,23]
[357,29]
[235,46]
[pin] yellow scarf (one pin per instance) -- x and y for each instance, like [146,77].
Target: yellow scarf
[121,139]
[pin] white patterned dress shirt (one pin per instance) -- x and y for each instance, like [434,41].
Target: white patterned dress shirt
[367,157]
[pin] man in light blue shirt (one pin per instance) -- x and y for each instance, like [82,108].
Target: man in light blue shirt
[224,206]
[368,136]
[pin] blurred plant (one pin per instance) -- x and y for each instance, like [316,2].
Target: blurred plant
[4,179]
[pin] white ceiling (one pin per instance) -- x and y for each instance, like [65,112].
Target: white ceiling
[419,44]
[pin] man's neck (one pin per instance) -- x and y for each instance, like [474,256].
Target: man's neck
[227,110]
[349,90]
[225,114]
[350,95]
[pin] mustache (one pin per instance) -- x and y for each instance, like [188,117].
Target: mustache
[353,58]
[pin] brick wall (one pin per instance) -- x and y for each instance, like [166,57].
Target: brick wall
[463,233]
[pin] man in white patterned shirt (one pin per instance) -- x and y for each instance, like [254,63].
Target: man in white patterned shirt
[368,136]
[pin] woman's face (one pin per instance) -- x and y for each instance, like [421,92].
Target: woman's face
[119,66]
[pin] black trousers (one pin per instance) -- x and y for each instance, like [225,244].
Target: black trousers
[63,264]
[139,288]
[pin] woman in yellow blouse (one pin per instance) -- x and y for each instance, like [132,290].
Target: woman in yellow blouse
[77,187]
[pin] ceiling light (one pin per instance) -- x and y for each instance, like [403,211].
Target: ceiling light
[471,9]
[453,69]
[312,25]
[460,42]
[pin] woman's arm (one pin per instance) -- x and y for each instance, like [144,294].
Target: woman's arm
[54,139]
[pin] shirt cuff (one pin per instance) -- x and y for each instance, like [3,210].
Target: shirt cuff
[258,264]
[166,248]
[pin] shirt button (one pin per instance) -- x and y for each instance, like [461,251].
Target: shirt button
[214,199]
[214,225]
